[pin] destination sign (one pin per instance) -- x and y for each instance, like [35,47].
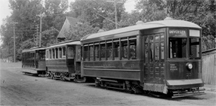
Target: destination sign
[177,33]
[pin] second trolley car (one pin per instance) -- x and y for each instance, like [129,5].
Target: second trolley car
[63,61]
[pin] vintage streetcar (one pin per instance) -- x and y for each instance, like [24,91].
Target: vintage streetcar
[158,57]
[34,58]
[63,61]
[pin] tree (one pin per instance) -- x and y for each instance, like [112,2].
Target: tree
[201,12]
[97,12]
[151,10]
[78,31]
[54,13]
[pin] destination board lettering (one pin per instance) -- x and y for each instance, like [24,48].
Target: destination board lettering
[177,33]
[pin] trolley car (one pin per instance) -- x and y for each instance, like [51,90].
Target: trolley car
[34,58]
[162,57]
[63,61]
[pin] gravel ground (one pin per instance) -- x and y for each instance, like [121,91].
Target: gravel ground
[17,88]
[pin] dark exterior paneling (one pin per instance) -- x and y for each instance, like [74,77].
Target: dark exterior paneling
[134,65]
[57,65]
[178,70]
[113,69]
[112,73]
[41,66]
[70,64]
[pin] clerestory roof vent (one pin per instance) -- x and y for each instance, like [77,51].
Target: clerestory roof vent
[139,22]
[168,18]
[100,30]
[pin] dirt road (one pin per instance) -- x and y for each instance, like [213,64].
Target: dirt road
[17,88]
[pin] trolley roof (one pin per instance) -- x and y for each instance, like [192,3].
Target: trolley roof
[148,25]
[65,43]
[33,49]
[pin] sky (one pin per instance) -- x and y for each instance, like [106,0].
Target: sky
[5,9]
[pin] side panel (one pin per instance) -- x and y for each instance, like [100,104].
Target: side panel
[178,70]
[41,66]
[58,65]
[113,69]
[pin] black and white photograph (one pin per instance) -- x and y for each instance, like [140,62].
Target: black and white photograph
[107,52]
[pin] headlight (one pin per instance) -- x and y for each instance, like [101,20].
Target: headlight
[189,65]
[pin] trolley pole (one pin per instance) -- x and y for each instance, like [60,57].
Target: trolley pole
[14,39]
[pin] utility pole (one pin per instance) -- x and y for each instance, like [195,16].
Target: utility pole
[14,39]
[41,16]
[37,36]
[115,6]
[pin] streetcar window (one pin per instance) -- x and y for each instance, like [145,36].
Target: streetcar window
[162,46]
[194,48]
[86,53]
[116,50]
[60,52]
[78,51]
[124,50]
[109,51]
[91,52]
[162,51]
[157,47]
[64,51]
[70,52]
[47,54]
[56,53]
[103,51]
[50,56]
[132,46]
[97,52]
[146,39]
[151,48]
[156,51]
[41,55]
[177,47]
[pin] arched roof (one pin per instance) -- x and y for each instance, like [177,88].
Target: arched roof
[65,43]
[148,25]
[33,49]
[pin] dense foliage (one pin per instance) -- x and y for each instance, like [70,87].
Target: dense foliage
[95,15]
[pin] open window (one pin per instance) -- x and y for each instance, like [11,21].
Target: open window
[103,51]
[124,49]
[194,48]
[109,50]
[60,52]
[91,48]
[86,53]
[116,49]
[177,43]
[70,52]
[132,47]
[97,51]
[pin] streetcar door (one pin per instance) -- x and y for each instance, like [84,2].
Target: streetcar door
[71,58]
[41,65]
[153,52]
